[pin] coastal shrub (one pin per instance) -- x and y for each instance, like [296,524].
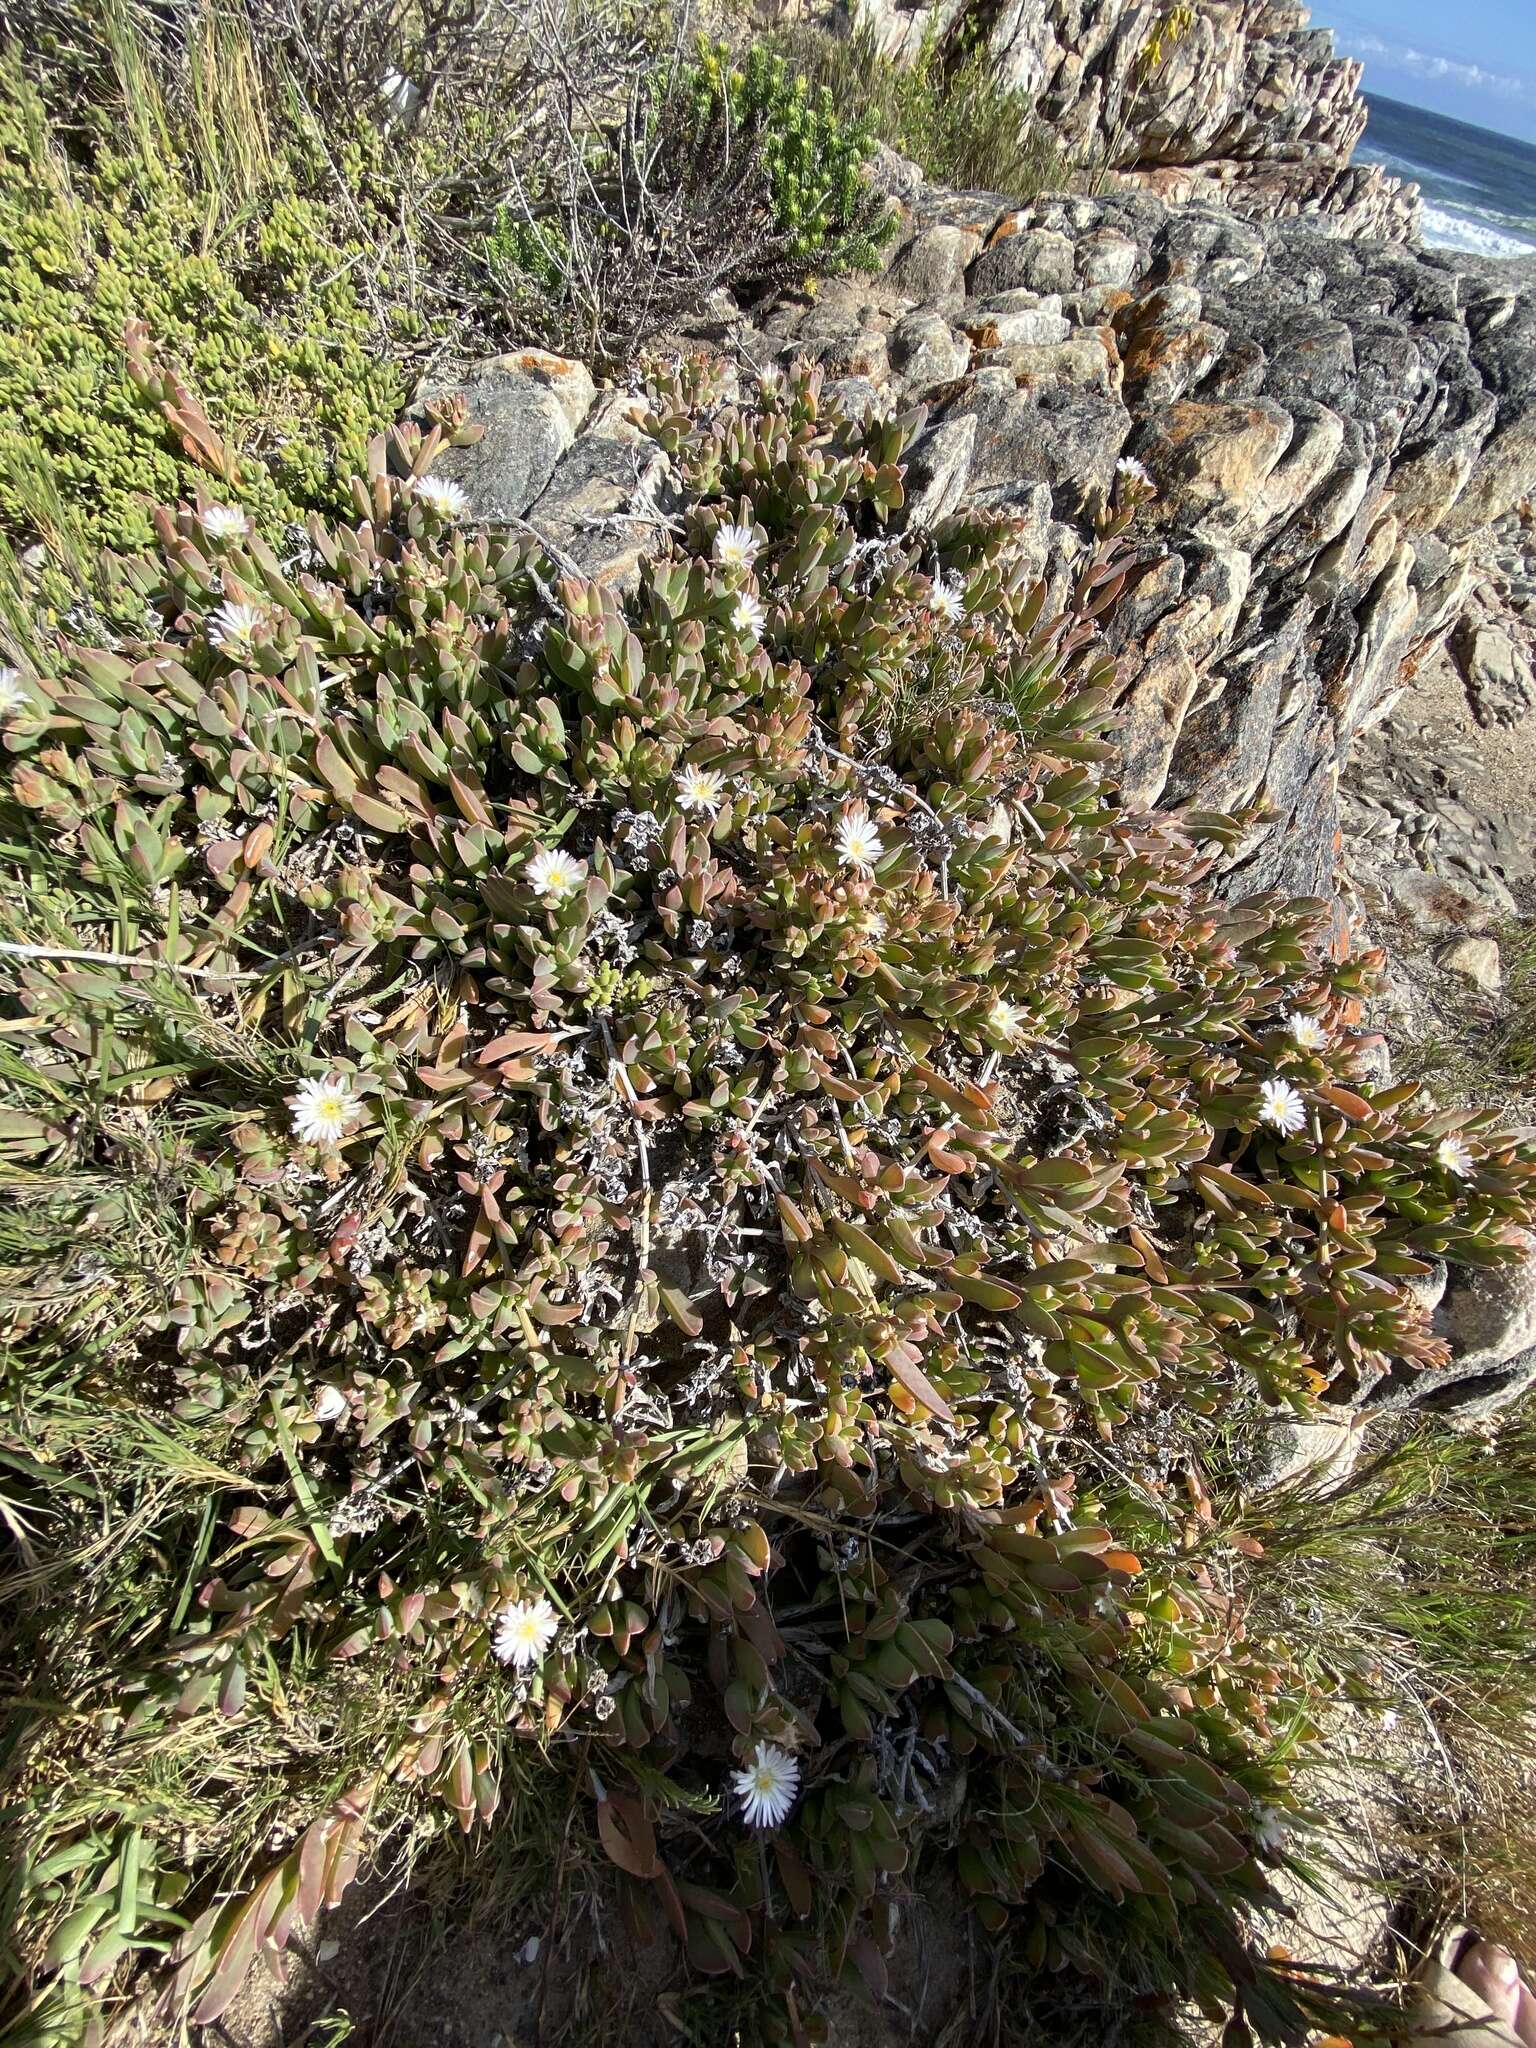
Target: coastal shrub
[948,109]
[291,216]
[625,1215]
[811,158]
[716,173]
[245,288]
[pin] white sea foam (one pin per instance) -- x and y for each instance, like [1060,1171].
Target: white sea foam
[1446,230]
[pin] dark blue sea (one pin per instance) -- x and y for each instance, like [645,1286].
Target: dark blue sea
[1479,188]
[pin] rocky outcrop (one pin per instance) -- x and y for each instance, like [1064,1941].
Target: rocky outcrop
[1337,432]
[1328,445]
[1246,102]
[1340,199]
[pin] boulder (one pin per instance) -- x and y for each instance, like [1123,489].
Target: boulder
[1476,958]
[1016,316]
[1210,461]
[604,506]
[529,405]
[939,471]
[1488,1313]
[926,350]
[932,265]
[1496,668]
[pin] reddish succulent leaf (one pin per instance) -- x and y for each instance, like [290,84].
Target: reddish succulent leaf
[625,1831]
[902,1366]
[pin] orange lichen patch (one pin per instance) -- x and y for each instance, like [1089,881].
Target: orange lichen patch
[948,394]
[1189,420]
[538,362]
[1155,347]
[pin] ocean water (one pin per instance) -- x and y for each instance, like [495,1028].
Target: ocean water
[1479,188]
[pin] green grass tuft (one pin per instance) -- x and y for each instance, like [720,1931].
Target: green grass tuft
[948,109]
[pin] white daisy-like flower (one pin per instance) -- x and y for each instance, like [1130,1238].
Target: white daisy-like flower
[859,845]
[524,1632]
[330,1404]
[322,1109]
[767,1787]
[735,546]
[1133,471]
[1306,1031]
[1281,1105]
[1454,1155]
[553,875]
[947,602]
[447,500]
[13,691]
[700,789]
[401,95]
[232,629]
[748,615]
[873,925]
[1270,1828]
[1004,1018]
[222,522]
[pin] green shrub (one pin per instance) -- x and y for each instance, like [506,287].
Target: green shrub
[813,159]
[606,1187]
[250,294]
[948,109]
[711,175]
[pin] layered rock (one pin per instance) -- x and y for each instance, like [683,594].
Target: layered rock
[1334,428]
[1248,104]
[1335,431]
[1340,199]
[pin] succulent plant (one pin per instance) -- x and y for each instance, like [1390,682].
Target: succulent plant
[698,1117]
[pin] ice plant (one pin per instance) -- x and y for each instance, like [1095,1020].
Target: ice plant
[717,1247]
[553,874]
[1004,1018]
[1133,472]
[767,1786]
[748,615]
[444,499]
[1281,1106]
[524,1631]
[1270,1829]
[323,1109]
[736,546]
[859,845]
[222,522]
[13,692]
[330,1404]
[946,602]
[699,789]
[1454,1155]
[232,629]
[1306,1031]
